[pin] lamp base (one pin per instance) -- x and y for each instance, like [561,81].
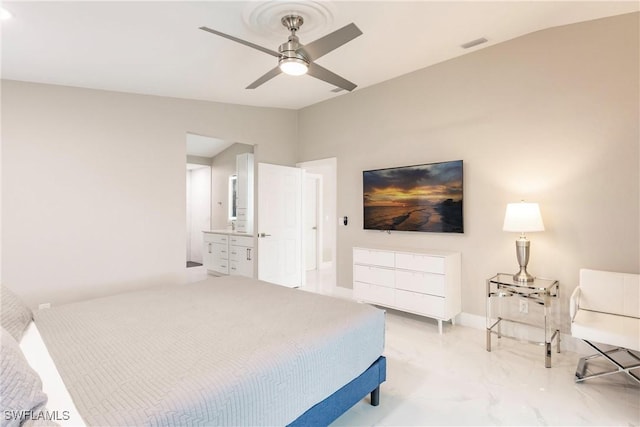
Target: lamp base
[522,251]
[523,276]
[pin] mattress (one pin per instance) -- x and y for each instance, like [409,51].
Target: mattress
[59,400]
[225,351]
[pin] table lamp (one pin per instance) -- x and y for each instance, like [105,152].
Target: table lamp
[523,217]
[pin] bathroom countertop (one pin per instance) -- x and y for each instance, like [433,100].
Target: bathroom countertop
[229,232]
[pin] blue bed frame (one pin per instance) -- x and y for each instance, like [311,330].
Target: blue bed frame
[327,411]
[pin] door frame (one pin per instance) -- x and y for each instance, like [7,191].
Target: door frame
[328,168]
[317,178]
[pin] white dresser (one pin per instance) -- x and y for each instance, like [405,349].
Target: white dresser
[226,252]
[426,283]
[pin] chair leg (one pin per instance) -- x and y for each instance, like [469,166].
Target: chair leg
[582,364]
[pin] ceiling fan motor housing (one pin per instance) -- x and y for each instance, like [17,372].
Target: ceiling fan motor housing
[289,51]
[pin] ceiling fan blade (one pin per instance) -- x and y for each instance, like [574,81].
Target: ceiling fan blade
[323,74]
[244,42]
[331,41]
[265,78]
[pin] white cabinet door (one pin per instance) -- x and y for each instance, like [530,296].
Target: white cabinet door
[207,255]
[244,193]
[244,265]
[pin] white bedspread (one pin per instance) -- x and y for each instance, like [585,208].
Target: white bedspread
[225,351]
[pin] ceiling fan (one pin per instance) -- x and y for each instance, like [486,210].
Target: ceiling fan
[297,59]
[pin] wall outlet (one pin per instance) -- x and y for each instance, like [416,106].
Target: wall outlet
[44,305]
[523,306]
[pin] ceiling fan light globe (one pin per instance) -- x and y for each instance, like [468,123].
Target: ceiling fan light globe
[293,66]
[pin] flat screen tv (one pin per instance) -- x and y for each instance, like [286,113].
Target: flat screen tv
[414,198]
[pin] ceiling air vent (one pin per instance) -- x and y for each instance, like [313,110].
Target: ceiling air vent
[473,43]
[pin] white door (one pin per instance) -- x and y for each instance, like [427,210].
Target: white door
[310,231]
[280,224]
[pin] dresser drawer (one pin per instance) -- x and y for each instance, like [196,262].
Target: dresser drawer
[372,293]
[418,262]
[221,267]
[380,258]
[219,251]
[424,283]
[427,305]
[374,275]
[241,241]
[240,253]
[215,238]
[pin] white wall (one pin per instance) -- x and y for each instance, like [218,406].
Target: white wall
[198,210]
[93,184]
[551,117]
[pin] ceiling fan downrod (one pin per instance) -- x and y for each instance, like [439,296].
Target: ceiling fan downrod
[292,59]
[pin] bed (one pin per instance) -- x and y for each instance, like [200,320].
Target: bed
[225,351]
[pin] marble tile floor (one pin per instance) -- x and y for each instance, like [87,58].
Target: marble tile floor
[451,379]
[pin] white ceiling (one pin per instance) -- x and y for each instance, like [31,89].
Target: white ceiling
[155,47]
[204,146]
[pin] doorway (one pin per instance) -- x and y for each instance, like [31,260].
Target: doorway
[200,151]
[312,226]
[322,279]
[198,210]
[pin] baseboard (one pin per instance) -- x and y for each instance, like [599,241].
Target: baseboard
[471,320]
[340,292]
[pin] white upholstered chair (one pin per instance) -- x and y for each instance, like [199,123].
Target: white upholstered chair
[605,309]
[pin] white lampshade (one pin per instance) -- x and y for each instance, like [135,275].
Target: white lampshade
[523,217]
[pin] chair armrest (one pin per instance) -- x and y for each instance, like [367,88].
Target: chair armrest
[574,302]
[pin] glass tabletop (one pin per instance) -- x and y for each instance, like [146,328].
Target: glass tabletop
[538,284]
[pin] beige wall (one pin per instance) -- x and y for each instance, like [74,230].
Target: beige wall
[93,184]
[551,117]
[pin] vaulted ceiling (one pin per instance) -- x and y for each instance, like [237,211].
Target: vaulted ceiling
[155,47]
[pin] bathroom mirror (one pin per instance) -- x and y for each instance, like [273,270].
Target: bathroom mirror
[233,180]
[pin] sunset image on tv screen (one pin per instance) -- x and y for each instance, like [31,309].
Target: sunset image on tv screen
[414,198]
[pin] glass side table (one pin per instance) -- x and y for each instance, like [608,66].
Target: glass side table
[537,307]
